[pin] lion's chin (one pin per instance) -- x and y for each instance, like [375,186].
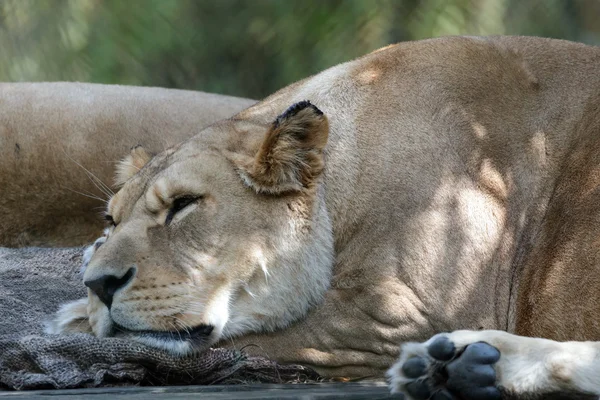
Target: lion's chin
[180,343]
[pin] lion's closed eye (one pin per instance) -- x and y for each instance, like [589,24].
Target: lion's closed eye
[110,220]
[179,204]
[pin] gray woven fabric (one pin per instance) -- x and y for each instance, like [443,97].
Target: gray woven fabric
[34,282]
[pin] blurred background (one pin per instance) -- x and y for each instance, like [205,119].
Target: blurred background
[248,48]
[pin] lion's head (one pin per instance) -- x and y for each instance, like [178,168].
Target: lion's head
[224,234]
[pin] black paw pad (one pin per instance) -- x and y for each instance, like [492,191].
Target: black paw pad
[481,353]
[414,367]
[449,373]
[442,349]
[419,389]
[472,376]
[442,394]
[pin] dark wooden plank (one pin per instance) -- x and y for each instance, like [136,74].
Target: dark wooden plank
[321,391]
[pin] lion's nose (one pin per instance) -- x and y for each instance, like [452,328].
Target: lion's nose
[106,286]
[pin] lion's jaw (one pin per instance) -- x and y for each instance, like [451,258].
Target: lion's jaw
[287,285]
[236,260]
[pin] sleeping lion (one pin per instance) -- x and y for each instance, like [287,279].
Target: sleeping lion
[429,186]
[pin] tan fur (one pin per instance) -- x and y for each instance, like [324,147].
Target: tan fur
[130,165]
[51,133]
[458,191]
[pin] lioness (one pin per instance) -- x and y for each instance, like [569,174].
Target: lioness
[59,143]
[429,186]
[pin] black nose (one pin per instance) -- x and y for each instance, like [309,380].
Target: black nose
[106,286]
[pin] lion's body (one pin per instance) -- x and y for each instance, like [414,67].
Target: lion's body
[47,129]
[462,184]
[458,190]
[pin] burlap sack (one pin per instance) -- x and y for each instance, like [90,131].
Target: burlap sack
[34,282]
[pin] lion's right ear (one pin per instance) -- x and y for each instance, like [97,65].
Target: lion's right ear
[290,157]
[130,165]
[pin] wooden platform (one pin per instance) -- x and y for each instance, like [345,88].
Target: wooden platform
[321,391]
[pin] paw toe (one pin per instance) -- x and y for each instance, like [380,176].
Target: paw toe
[440,371]
[414,367]
[481,353]
[485,393]
[442,349]
[419,389]
[472,375]
[442,394]
[466,375]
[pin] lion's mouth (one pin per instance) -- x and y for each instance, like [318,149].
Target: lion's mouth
[181,342]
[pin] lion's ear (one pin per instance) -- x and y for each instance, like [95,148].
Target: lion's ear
[131,164]
[290,157]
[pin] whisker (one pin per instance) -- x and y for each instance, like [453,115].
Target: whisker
[194,313]
[81,322]
[174,328]
[183,325]
[104,188]
[107,191]
[91,196]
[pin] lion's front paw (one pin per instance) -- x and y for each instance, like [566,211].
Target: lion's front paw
[442,370]
[70,318]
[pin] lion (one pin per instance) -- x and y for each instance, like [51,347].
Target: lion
[427,187]
[63,139]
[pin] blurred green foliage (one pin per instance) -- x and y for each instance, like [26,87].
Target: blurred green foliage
[252,47]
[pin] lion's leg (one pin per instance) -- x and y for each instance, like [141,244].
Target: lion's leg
[485,365]
[335,339]
[328,361]
[320,349]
